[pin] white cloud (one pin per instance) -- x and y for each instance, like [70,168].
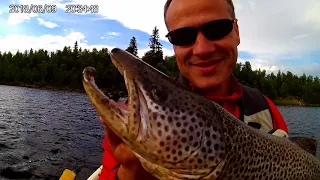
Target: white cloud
[273,31]
[47,42]
[113,33]
[1,12]
[47,24]
[17,18]
[102,37]
[266,27]
[166,52]
[133,14]
[277,28]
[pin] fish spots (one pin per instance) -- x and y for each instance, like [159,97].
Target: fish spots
[221,139]
[135,122]
[174,132]
[154,115]
[186,148]
[105,101]
[200,124]
[166,128]
[190,138]
[178,124]
[173,151]
[168,138]
[158,124]
[175,142]
[214,137]
[195,144]
[216,147]
[168,149]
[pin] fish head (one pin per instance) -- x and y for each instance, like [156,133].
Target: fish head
[166,125]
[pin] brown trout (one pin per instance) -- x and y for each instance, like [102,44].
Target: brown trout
[177,134]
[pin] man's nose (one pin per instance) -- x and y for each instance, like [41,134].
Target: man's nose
[203,47]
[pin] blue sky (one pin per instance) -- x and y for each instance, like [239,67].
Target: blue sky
[274,34]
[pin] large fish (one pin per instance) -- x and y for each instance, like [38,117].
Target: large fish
[177,134]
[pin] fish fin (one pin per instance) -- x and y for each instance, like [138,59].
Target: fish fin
[308,144]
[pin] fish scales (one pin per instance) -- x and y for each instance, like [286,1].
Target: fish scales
[177,134]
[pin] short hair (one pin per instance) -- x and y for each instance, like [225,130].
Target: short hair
[231,9]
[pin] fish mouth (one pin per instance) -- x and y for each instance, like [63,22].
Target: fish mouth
[137,103]
[130,122]
[114,114]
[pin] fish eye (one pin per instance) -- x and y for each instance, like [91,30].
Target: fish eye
[159,94]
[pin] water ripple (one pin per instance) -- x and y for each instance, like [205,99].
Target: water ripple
[44,131]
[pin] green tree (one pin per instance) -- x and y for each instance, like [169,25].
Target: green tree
[155,54]
[133,48]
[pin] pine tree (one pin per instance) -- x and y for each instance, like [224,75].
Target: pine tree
[155,54]
[133,49]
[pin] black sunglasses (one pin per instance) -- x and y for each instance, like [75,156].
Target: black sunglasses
[212,30]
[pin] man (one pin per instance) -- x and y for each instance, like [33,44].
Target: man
[205,56]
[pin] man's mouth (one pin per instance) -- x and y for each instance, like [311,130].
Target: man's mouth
[207,66]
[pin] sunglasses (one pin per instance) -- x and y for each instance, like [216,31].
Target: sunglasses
[212,30]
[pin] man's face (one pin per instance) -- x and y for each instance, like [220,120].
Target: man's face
[206,64]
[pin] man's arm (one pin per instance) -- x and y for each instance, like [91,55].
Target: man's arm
[278,120]
[110,165]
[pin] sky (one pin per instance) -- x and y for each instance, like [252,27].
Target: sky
[275,34]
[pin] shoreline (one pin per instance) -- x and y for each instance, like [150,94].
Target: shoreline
[278,102]
[43,87]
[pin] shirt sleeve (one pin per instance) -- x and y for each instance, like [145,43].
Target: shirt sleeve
[109,163]
[278,120]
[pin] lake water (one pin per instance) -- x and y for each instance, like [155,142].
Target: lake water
[42,132]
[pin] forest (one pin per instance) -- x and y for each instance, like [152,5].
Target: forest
[62,69]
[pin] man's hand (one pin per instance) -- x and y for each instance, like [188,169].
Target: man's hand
[131,167]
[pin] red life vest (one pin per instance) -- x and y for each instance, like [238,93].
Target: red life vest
[254,108]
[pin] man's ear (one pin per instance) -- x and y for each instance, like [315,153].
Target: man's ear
[236,29]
